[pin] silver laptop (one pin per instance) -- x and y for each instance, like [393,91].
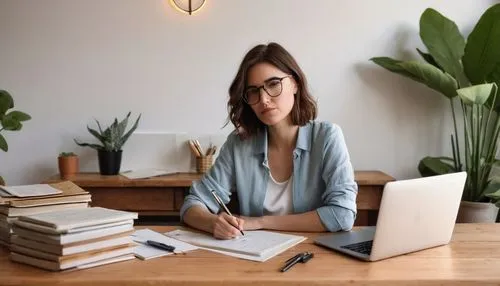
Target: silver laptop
[414,214]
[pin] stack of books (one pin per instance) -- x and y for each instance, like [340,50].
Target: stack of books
[22,200]
[73,239]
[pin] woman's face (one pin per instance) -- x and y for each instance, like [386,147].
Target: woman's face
[270,93]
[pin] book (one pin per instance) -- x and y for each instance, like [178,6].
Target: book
[66,188]
[6,219]
[51,201]
[30,190]
[50,230]
[66,258]
[61,239]
[255,245]
[102,258]
[73,248]
[4,243]
[25,211]
[70,219]
[5,224]
[5,236]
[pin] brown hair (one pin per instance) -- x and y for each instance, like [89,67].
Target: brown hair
[241,114]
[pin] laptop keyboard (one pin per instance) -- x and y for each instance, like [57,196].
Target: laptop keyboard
[364,247]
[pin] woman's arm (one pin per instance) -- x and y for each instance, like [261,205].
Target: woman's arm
[339,209]
[308,222]
[199,207]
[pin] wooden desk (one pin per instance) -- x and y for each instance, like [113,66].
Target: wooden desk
[164,195]
[472,258]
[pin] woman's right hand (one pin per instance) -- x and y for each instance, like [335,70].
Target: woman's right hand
[227,227]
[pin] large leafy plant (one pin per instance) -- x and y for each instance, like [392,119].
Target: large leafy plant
[113,137]
[10,120]
[468,74]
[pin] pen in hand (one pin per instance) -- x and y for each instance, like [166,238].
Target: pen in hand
[223,206]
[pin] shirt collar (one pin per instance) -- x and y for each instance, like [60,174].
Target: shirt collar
[303,140]
[304,137]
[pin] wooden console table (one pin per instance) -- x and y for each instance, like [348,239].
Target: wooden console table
[164,195]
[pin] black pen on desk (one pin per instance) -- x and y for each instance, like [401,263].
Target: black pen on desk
[301,257]
[223,206]
[160,245]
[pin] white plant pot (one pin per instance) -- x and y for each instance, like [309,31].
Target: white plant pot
[474,212]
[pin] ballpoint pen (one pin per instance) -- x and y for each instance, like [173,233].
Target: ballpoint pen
[223,206]
[160,245]
[301,257]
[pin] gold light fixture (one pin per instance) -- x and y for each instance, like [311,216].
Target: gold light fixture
[188,6]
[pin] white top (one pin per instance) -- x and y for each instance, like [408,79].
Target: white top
[278,197]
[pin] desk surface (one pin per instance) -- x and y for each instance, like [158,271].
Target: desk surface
[473,257]
[186,179]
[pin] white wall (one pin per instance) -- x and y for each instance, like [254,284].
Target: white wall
[67,62]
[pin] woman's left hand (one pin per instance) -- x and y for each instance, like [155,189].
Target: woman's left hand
[252,223]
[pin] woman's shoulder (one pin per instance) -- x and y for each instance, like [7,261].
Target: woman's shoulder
[325,128]
[235,140]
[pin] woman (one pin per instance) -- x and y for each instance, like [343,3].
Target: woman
[291,173]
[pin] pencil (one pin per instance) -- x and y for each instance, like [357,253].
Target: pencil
[223,206]
[193,149]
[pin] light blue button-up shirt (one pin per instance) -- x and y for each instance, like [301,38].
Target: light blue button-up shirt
[323,177]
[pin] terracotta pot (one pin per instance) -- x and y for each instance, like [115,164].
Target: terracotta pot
[68,166]
[475,212]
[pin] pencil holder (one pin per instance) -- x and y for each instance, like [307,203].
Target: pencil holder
[203,163]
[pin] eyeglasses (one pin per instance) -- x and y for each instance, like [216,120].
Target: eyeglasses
[272,86]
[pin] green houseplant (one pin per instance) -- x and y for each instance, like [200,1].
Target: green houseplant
[467,72]
[10,120]
[111,140]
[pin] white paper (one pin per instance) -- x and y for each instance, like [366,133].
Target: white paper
[145,173]
[254,245]
[145,252]
[31,190]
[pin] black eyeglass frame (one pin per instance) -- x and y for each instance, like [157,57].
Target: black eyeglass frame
[245,97]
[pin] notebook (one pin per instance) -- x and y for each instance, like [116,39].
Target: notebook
[144,251]
[258,245]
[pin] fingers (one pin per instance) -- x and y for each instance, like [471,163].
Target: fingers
[241,223]
[226,226]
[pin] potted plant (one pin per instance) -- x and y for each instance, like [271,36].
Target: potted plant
[68,164]
[468,74]
[112,140]
[10,120]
